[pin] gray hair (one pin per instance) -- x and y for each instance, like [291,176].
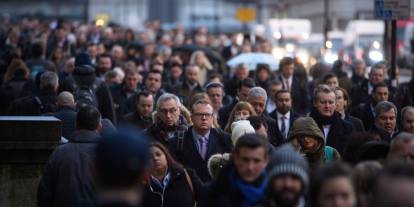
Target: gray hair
[166,97]
[384,106]
[359,62]
[258,92]
[49,80]
[401,137]
[241,66]
[322,88]
[406,110]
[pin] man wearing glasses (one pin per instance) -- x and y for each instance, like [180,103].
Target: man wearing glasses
[168,120]
[200,141]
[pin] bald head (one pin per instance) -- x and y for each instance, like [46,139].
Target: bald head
[65,99]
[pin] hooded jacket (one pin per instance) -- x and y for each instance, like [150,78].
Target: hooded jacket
[322,154]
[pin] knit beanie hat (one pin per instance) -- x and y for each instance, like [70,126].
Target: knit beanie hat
[286,160]
[239,128]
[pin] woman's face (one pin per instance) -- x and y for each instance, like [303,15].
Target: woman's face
[308,143]
[241,115]
[340,101]
[263,75]
[337,192]
[199,60]
[158,158]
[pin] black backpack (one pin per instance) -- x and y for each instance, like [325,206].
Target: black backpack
[86,95]
[85,86]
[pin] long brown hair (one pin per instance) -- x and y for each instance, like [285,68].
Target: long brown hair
[241,105]
[171,162]
[16,64]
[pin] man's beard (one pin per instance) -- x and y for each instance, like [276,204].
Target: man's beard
[286,202]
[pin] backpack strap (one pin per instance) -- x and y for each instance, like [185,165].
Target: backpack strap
[40,104]
[190,184]
[180,141]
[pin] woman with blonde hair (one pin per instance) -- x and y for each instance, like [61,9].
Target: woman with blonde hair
[200,59]
[241,111]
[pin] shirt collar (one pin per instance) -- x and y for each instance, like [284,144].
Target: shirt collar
[198,136]
[165,181]
[287,115]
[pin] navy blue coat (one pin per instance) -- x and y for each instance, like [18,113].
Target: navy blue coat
[68,178]
[68,117]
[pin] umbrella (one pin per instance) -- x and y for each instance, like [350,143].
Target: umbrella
[252,59]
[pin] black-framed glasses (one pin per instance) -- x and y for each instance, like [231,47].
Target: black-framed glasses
[202,115]
[171,111]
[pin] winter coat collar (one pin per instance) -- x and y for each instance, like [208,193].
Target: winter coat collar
[84,136]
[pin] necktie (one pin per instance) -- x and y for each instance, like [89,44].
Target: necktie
[287,85]
[283,126]
[203,147]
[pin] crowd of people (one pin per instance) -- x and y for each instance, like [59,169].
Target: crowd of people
[200,133]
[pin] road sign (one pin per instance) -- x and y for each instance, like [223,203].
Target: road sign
[245,14]
[392,9]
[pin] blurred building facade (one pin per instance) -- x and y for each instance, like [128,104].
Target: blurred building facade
[217,15]
[340,12]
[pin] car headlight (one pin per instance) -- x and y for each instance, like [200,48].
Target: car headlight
[278,53]
[376,56]
[303,56]
[290,48]
[330,58]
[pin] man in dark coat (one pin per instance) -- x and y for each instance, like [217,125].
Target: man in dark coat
[190,85]
[336,130]
[404,96]
[298,89]
[242,92]
[70,167]
[122,92]
[361,93]
[366,111]
[84,76]
[194,148]
[243,181]
[257,98]
[66,112]
[385,121]
[358,73]
[37,104]
[241,72]
[141,118]
[231,50]
[283,113]
[168,119]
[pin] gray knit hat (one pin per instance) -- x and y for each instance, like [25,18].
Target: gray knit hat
[286,160]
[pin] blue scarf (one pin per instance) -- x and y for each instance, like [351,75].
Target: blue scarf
[251,194]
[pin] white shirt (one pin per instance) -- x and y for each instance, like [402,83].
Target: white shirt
[270,106]
[370,88]
[326,129]
[287,121]
[287,81]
